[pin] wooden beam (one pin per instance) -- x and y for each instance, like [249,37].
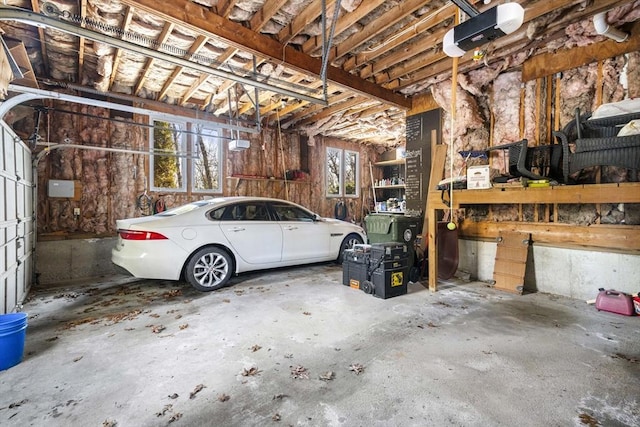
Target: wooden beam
[624,192]
[162,38]
[618,238]
[81,40]
[386,20]
[400,37]
[193,49]
[304,18]
[565,59]
[261,17]
[344,22]
[35,6]
[224,7]
[201,20]
[422,103]
[118,53]
[419,46]
[335,108]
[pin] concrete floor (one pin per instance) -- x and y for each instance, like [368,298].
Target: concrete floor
[296,347]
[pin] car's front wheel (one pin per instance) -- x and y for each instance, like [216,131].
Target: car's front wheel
[348,243]
[209,269]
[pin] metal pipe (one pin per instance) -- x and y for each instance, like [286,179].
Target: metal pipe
[603,28]
[29,93]
[8,13]
[56,146]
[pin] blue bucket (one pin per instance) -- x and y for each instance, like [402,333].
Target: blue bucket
[13,330]
[12,321]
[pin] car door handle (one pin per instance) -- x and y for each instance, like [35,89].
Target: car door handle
[291,227]
[235,229]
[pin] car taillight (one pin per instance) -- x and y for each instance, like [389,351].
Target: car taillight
[140,235]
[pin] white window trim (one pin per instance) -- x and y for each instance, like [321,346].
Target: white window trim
[195,150]
[341,192]
[183,163]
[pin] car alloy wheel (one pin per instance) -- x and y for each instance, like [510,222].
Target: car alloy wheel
[209,269]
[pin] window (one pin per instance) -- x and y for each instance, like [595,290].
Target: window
[206,170]
[343,173]
[287,212]
[167,163]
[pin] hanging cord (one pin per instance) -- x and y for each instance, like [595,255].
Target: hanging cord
[326,43]
[284,167]
[454,86]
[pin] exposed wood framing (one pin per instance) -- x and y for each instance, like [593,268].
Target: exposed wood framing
[565,59]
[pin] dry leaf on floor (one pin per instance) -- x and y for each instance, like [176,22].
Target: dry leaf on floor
[299,372]
[166,409]
[327,376]
[157,329]
[250,372]
[173,293]
[196,390]
[185,326]
[255,348]
[357,368]
[223,397]
[175,417]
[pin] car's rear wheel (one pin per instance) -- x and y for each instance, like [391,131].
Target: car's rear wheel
[348,243]
[209,269]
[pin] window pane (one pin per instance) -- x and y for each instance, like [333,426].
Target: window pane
[333,172]
[206,165]
[167,170]
[351,173]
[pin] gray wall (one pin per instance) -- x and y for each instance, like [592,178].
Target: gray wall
[65,260]
[569,272]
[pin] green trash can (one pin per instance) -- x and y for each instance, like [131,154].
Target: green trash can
[389,227]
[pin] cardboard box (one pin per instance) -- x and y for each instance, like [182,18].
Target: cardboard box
[478,177]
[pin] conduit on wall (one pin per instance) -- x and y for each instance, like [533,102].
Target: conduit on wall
[29,93]
[603,28]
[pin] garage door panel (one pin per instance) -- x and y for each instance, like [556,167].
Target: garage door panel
[16,220]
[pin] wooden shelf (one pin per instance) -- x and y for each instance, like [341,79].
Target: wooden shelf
[291,181]
[390,162]
[383,187]
[625,192]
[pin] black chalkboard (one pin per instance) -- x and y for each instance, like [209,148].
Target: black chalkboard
[419,129]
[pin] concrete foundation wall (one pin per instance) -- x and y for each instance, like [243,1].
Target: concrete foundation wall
[64,260]
[569,272]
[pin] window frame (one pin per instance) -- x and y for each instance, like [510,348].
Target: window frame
[341,155]
[196,157]
[182,149]
[187,144]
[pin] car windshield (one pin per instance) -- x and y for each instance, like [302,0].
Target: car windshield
[179,210]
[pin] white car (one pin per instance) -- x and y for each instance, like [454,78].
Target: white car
[206,242]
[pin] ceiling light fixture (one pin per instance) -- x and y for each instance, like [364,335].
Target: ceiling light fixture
[482,28]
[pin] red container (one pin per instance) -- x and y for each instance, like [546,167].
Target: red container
[636,304]
[615,302]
